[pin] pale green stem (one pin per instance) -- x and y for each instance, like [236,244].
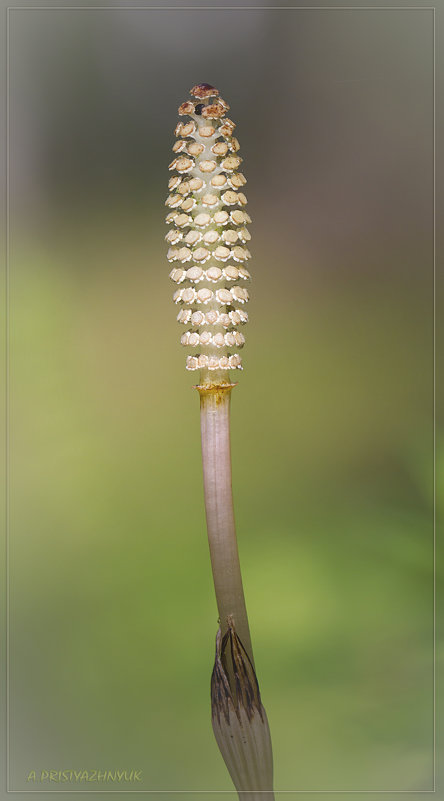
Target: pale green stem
[216,457]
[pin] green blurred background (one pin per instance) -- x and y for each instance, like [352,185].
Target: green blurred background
[112,617]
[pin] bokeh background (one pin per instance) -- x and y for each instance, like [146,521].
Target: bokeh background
[112,616]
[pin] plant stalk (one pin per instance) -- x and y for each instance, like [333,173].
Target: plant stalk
[208,251]
[216,458]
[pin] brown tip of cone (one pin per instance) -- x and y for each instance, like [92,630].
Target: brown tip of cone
[203,91]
